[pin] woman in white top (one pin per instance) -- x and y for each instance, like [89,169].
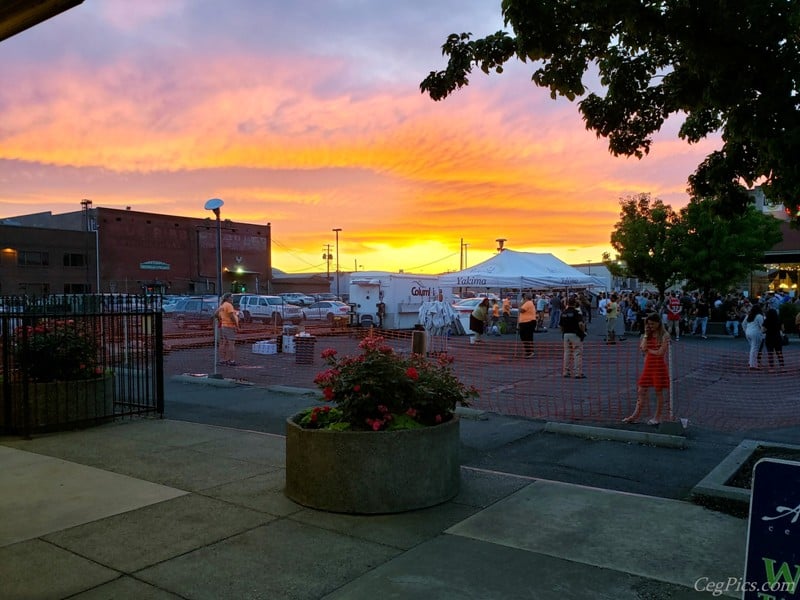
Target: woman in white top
[753,331]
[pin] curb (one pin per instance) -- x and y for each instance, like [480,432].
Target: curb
[617,435]
[471,413]
[204,379]
[715,483]
[295,391]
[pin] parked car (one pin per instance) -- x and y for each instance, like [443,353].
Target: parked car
[170,305]
[326,296]
[196,311]
[465,306]
[272,309]
[327,309]
[297,298]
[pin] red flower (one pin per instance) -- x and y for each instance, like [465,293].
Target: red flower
[382,408]
[314,415]
[326,409]
[411,412]
[376,424]
[438,418]
[328,353]
[356,388]
[412,373]
[328,393]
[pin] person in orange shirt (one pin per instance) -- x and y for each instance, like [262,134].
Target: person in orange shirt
[229,324]
[495,317]
[526,322]
[507,314]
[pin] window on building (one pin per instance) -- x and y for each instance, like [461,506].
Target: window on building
[28,258]
[34,289]
[72,259]
[76,288]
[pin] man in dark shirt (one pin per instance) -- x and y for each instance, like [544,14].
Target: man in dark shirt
[573,331]
[701,316]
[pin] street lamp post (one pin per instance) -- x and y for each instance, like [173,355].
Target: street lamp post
[337,230]
[214,204]
[86,204]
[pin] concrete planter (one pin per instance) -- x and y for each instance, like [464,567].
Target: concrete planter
[57,405]
[372,472]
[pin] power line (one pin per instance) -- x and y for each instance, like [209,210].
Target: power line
[290,252]
[433,262]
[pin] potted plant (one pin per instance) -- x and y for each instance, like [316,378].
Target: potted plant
[57,379]
[387,438]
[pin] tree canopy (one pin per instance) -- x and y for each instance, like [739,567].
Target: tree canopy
[645,238]
[716,252]
[731,67]
[697,245]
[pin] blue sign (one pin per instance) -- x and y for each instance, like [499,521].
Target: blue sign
[772,564]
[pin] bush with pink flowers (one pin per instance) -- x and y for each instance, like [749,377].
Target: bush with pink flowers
[381,389]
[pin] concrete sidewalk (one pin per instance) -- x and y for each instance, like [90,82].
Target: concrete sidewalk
[169,509]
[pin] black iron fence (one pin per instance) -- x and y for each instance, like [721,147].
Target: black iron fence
[72,360]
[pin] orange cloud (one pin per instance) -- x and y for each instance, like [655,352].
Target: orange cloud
[406,178]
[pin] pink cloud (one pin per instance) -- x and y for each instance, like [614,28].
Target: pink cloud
[287,139]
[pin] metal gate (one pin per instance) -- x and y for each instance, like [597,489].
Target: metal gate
[73,360]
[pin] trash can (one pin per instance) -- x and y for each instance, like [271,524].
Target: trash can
[304,349]
[288,344]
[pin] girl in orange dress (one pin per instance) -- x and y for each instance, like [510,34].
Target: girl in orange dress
[654,344]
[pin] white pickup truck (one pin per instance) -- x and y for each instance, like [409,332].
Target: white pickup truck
[269,309]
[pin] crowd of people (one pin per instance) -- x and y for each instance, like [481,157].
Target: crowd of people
[658,321]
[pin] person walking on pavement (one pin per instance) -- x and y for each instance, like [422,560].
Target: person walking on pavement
[654,344]
[229,325]
[701,312]
[773,337]
[541,307]
[507,313]
[674,310]
[754,332]
[612,313]
[526,323]
[573,330]
[495,318]
[479,318]
[555,310]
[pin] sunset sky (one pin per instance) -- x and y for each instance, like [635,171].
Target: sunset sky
[307,115]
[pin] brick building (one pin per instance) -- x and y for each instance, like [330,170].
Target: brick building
[125,251]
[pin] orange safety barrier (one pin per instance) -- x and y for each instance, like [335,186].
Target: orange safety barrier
[711,384]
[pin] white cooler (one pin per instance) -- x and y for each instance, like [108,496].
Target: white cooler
[288,344]
[265,347]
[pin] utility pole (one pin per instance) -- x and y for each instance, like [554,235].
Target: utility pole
[327,257]
[336,231]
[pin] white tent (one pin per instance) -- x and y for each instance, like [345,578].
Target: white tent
[521,270]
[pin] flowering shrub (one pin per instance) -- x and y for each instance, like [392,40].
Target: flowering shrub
[56,350]
[381,389]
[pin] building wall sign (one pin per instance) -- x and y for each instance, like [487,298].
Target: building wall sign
[154,265]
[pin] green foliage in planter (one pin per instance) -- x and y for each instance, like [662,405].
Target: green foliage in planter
[56,350]
[381,389]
